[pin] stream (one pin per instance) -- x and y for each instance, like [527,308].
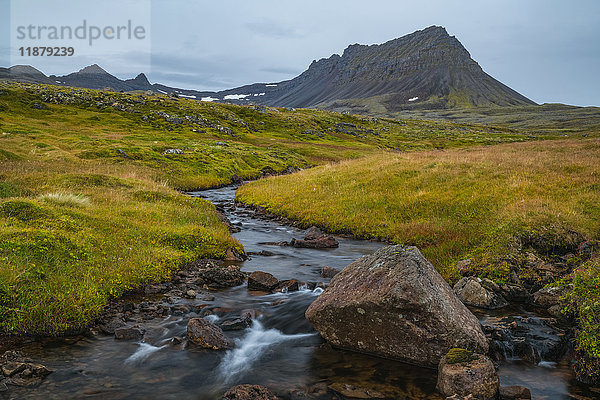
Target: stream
[280,350]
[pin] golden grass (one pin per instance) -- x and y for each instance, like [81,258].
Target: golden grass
[449,203]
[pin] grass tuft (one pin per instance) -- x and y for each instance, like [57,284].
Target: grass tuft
[66,199]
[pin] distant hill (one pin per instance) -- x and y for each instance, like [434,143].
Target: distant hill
[425,70]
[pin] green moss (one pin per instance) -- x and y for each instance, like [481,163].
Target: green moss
[22,210]
[8,190]
[457,355]
[6,155]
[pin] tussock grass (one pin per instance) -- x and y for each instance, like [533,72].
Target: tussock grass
[66,199]
[452,204]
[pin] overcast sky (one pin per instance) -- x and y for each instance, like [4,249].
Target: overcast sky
[548,50]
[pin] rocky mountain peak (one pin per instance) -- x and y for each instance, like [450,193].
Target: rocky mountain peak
[92,69]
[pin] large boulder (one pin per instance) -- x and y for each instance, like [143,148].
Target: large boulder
[463,373]
[207,335]
[396,305]
[479,293]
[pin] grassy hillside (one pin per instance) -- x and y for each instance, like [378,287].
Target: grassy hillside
[88,206]
[545,119]
[451,204]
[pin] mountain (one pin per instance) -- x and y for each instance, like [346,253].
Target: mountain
[25,73]
[425,70]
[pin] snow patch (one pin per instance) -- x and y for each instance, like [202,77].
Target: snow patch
[413,98]
[162,91]
[235,96]
[270,85]
[209,99]
[187,96]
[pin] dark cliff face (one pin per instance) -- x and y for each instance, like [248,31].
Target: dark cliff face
[428,68]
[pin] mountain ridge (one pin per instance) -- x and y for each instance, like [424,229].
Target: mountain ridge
[427,69]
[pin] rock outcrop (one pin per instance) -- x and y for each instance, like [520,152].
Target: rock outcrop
[395,304]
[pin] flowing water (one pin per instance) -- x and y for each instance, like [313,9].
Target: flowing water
[280,350]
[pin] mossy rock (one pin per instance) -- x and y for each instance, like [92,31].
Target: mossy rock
[552,240]
[457,355]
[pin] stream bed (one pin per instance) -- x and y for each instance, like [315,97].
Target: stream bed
[280,350]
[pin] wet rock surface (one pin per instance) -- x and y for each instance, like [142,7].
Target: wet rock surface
[249,392]
[514,393]
[533,339]
[476,378]
[18,370]
[262,281]
[395,304]
[207,335]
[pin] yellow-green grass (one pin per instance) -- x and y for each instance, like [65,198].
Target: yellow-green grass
[219,141]
[88,208]
[451,204]
[74,234]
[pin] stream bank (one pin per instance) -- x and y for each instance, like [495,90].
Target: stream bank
[280,350]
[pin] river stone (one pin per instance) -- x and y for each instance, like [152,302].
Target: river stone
[290,285]
[206,334]
[477,377]
[548,296]
[322,242]
[129,333]
[514,393]
[479,293]
[396,305]
[313,233]
[262,281]
[249,392]
[222,277]
[328,272]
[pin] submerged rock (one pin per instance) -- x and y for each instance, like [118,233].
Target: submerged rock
[479,293]
[395,304]
[354,392]
[476,377]
[207,335]
[249,392]
[514,393]
[18,370]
